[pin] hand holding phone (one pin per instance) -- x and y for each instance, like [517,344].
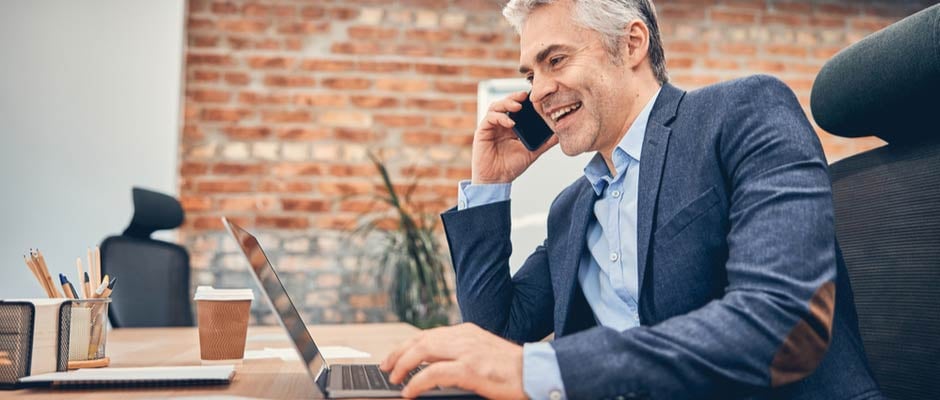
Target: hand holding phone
[498,155]
[530,127]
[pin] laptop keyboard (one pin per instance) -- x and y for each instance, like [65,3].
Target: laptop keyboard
[370,377]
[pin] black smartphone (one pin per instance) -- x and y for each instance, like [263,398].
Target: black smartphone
[530,127]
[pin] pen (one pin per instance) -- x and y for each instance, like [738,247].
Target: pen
[67,287]
[88,290]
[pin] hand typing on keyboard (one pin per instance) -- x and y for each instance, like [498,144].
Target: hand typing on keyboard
[464,356]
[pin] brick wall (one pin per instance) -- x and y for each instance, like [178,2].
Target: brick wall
[283,100]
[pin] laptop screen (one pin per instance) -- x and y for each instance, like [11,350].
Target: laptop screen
[271,286]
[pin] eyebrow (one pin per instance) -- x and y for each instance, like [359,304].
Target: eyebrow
[542,55]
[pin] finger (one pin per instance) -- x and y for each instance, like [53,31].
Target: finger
[421,352]
[443,374]
[494,119]
[393,356]
[513,102]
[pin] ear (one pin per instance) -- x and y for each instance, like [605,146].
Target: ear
[636,43]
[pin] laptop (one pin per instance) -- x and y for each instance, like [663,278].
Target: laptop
[331,380]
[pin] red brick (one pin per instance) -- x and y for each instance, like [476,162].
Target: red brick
[312,12]
[304,28]
[297,169]
[284,10]
[206,76]
[193,168]
[265,221]
[404,85]
[414,50]
[293,43]
[474,53]
[482,37]
[230,168]
[455,87]
[838,9]
[208,96]
[247,132]
[826,52]
[226,7]
[363,206]
[374,101]
[459,140]
[373,300]
[432,104]
[869,24]
[256,10]
[343,13]
[347,83]
[456,173]
[195,24]
[738,49]
[355,48]
[326,65]
[286,116]
[320,99]
[385,66]
[401,120]
[506,54]
[337,222]
[428,35]
[801,7]
[372,33]
[255,98]
[355,135]
[344,188]
[195,203]
[303,134]
[206,223]
[790,20]
[203,40]
[289,81]
[673,13]
[469,107]
[438,69]
[766,66]
[679,62]
[786,50]
[353,170]
[690,47]
[721,63]
[246,203]
[237,78]
[270,62]
[421,172]
[223,186]
[224,114]
[209,59]
[281,186]
[308,205]
[454,122]
[193,132]
[243,26]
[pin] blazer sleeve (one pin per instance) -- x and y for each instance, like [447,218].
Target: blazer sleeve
[773,324]
[518,308]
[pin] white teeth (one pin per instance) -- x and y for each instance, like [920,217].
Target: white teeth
[558,114]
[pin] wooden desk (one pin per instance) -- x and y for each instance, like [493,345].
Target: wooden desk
[259,378]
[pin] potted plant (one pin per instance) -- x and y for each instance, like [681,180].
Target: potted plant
[411,263]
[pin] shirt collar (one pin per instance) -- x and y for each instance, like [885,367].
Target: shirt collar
[629,148]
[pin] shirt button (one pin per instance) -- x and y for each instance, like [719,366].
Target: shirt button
[615,193]
[614,256]
[554,395]
[463,204]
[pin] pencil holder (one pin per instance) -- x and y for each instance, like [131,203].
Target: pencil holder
[88,336]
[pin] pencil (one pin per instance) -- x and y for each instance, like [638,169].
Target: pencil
[97,264]
[100,289]
[78,266]
[45,271]
[91,268]
[88,286]
[67,287]
[37,274]
[109,289]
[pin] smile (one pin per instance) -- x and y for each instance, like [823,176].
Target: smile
[560,113]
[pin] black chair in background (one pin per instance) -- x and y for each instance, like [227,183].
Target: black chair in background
[887,200]
[153,276]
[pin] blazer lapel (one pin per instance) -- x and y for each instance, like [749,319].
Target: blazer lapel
[567,276]
[652,159]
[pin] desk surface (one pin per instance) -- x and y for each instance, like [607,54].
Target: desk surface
[259,378]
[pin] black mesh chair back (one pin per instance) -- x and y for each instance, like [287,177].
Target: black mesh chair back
[153,276]
[887,200]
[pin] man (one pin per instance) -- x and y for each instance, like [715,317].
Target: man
[696,258]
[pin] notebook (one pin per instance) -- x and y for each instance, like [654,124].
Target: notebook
[144,376]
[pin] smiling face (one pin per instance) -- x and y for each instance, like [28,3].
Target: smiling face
[579,90]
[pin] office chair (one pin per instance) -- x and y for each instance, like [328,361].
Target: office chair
[153,276]
[887,200]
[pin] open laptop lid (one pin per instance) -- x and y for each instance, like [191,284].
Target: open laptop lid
[287,315]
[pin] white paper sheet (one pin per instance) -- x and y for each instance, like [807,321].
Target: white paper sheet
[287,353]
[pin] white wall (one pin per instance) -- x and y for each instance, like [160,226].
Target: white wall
[89,106]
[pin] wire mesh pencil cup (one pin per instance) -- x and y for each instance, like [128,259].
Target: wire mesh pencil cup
[88,333]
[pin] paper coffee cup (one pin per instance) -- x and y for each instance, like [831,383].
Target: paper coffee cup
[223,322]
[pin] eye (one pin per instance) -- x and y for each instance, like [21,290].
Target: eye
[529,78]
[554,61]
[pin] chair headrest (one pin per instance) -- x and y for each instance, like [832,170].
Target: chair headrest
[153,211]
[886,84]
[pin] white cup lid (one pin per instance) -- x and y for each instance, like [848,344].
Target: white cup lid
[210,293]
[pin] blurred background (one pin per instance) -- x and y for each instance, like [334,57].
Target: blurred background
[266,111]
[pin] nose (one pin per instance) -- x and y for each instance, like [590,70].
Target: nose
[542,88]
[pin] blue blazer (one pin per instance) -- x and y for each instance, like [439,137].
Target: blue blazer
[743,291]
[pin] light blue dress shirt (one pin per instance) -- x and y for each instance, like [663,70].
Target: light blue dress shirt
[608,271]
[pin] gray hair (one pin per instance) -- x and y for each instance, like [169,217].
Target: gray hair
[607,17]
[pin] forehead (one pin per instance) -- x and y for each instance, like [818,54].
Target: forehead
[549,25]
